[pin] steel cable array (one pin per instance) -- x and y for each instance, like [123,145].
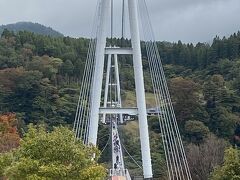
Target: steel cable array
[81,122]
[173,147]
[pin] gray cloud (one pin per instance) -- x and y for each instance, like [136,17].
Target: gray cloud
[188,20]
[193,21]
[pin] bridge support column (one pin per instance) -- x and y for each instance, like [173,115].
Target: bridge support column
[106,86]
[140,91]
[98,72]
[119,101]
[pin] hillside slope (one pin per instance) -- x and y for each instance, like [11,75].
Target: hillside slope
[31,27]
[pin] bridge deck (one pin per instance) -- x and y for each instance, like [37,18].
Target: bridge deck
[118,178]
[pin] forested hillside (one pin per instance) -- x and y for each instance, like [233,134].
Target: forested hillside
[40,78]
[31,27]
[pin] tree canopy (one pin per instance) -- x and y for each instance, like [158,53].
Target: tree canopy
[51,155]
[40,78]
[230,168]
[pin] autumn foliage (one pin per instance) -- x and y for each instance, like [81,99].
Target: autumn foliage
[50,156]
[9,137]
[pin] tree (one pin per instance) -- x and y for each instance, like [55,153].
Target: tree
[204,157]
[222,122]
[9,138]
[67,69]
[25,88]
[230,168]
[214,90]
[185,98]
[49,66]
[44,104]
[54,155]
[196,131]
[236,83]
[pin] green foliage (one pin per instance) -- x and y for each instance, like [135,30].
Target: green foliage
[196,131]
[5,161]
[130,140]
[201,55]
[222,122]
[153,123]
[214,89]
[47,65]
[67,67]
[157,151]
[230,168]
[54,155]
[185,98]
[40,78]
[201,75]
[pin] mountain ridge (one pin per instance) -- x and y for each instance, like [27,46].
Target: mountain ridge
[31,27]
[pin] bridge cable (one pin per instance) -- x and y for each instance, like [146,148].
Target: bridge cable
[81,121]
[123,22]
[87,96]
[106,144]
[172,147]
[111,22]
[131,156]
[87,114]
[171,109]
[168,131]
[156,98]
[172,139]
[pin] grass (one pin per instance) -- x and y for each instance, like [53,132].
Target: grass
[130,99]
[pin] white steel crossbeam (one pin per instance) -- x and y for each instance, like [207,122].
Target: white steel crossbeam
[109,110]
[118,50]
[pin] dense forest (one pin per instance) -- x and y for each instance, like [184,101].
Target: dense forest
[40,78]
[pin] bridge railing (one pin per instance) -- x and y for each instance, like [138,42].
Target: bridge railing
[120,172]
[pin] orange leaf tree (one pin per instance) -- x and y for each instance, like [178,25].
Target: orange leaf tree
[9,137]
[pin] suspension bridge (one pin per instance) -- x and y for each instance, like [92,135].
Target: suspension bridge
[102,66]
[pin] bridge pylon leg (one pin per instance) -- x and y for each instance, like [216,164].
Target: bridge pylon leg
[140,91]
[98,72]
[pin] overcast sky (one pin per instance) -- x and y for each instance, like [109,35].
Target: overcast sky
[187,20]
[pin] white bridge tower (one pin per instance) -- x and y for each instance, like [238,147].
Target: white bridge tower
[93,108]
[135,51]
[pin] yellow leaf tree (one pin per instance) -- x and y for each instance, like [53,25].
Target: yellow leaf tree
[53,155]
[230,168]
